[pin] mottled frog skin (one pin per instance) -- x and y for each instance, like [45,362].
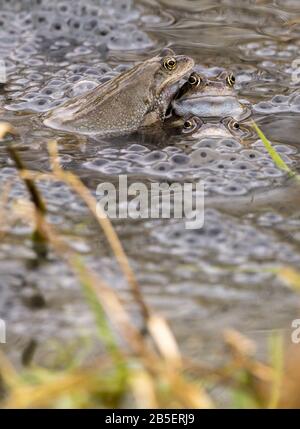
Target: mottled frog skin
[214,98]
[137,98]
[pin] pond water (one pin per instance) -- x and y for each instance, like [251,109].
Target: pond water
[203,281]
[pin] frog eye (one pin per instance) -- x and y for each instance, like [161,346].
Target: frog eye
[170,63]
[191,125]
[188,125]
[194,79]
[230,80]
[232,124]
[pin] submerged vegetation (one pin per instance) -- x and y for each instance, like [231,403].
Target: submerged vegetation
[138,367]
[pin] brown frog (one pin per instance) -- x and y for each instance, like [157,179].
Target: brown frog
[214,97]
[137,98]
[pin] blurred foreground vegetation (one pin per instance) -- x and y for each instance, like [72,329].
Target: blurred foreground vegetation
[147,370]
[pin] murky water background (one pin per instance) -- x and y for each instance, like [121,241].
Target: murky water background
[203,281]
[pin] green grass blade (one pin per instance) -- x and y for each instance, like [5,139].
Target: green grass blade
[273,153]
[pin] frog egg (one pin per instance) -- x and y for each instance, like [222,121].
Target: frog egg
[41,18]
[83,86]
[51,93]
[55,83]
[254,174]
[233,157]
[136,169]
[287,159]
[112,170]
[74,78]
[122,164]
[266,162]
[140,40]
[242,166]
[26,22]
[273,172]
[137,157]
[285,149]
[206,142]
[180,159]
[251,155]
[295,100]
[75,25]
[264,107]
[172,149]
[162,167]
[58,27]
[279,99]
[212,182]
[77,69]
[137,148]
[109,151]
[31,96]
[79,51]
[122,68]
[222,165]
[116,41]
[40,104]
[203,156]
[90,24]
[96,165]
[107,77]
[154,156]
[64,8]
[231,189]
[123,6]
[136,39]
[270,219]
[229,144]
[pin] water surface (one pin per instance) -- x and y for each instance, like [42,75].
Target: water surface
[202,281]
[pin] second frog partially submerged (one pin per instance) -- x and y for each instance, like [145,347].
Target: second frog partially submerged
[207,98]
